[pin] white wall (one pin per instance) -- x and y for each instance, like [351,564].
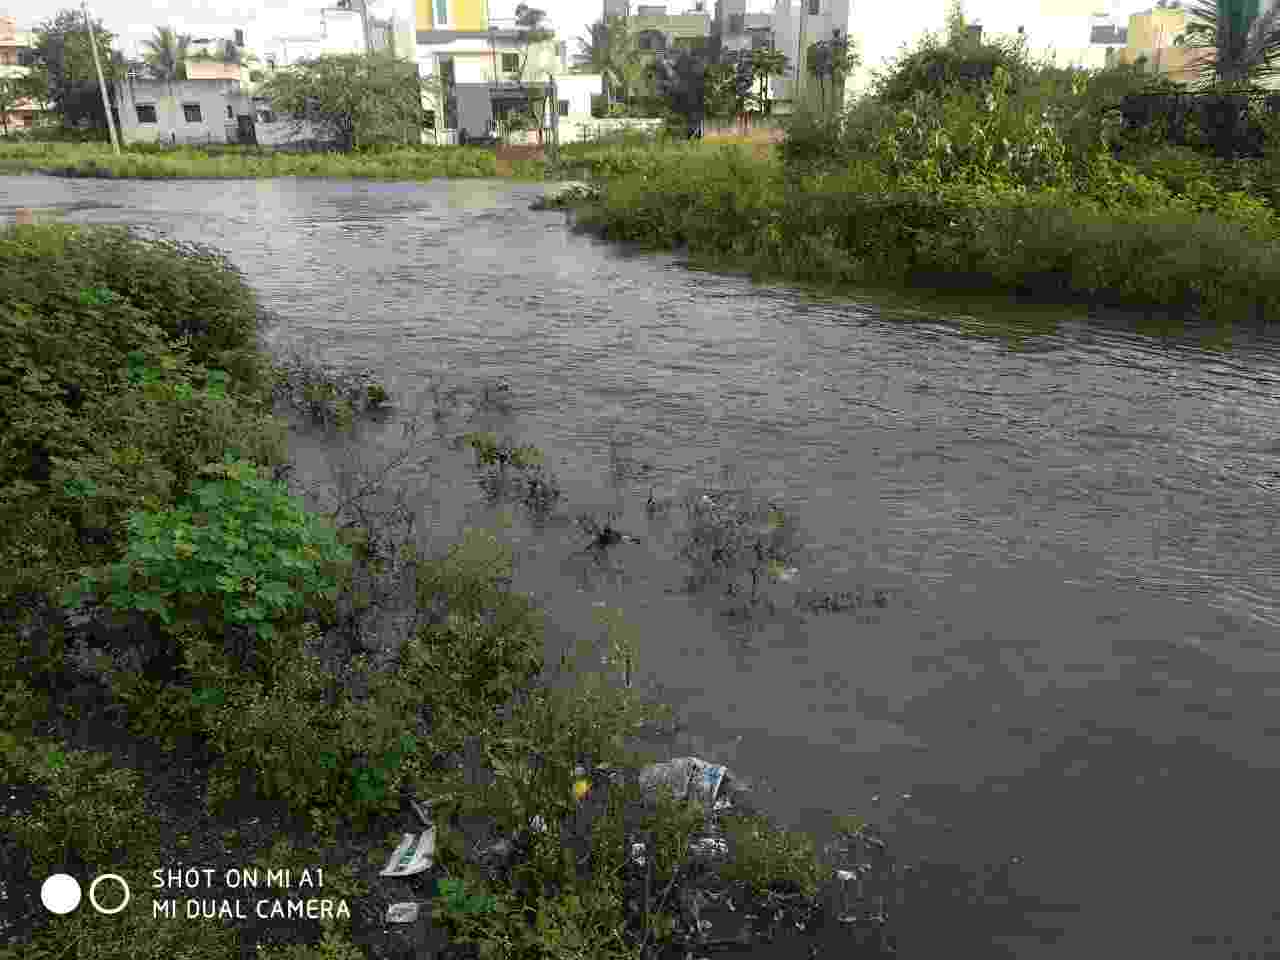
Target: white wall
[334,31]
[168,99]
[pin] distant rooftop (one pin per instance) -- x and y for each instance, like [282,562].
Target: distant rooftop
[1109,33]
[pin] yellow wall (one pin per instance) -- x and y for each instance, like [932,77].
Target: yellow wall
[463,15]
[1155,28]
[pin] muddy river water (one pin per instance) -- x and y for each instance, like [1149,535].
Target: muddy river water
[1068,714]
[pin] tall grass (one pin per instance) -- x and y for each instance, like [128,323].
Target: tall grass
[408,163]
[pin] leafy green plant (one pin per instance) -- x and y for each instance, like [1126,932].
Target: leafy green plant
[456,898]
[240,539]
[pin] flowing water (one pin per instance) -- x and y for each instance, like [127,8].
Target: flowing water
[1067,714]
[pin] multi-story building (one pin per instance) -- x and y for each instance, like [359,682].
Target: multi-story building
[737,32]
[796,27]
[1156,39]
[480,72]
[15,61]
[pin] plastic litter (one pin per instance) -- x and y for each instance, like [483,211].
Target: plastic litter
[403,912]
[709,847]
[689,778]
[415,854]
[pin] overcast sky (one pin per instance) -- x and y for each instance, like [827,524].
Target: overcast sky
[261,19]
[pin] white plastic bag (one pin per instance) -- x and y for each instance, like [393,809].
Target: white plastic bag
[689,778]
[416,854]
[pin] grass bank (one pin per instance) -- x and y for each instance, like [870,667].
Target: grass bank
[196,670]
[855,226]
[98,160]
[406,163]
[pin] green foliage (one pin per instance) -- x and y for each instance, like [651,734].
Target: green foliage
[333,945]
[765,856]
[104,410]
[934,68]
[187,290]
[352,99]
[64,67]
[166,53]
[90,811]
[142,161]
[239,551]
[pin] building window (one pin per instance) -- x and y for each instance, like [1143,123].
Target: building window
[737,22]
[266,116]
[146,112]
[230,115]
[564,108]
[28,119]
[442,12]
[813,7]
[191,112]
[428,120]
[510,62]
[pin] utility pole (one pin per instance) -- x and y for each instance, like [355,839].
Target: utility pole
[102,83]
[364,25]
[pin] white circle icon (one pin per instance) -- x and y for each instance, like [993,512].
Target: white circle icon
[60,893]
[93,891]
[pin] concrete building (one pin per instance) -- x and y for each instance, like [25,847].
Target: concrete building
[199,112]
[15,61]
[480,74]
[1155,39]
[796,27]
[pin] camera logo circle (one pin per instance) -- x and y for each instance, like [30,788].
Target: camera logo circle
[94,886]
[60,893]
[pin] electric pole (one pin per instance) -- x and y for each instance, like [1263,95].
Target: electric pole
[102,83]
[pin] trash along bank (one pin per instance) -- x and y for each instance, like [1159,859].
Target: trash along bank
[705,903]
[214,736]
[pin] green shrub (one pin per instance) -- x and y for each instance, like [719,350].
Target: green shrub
[184,289]
[92,812]
[102,411]
[934,67]
[240,551]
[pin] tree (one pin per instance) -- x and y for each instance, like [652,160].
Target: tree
[722,96]
[1237,47]
[532,31]
[955,23]
[63,73]
[765,64]
[350,99]
[603,51]
[631,69]
[167,53]
[680,80]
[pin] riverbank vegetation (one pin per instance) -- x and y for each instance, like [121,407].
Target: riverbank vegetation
[972,166]
[199,670]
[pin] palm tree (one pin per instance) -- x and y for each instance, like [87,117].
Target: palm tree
[1238,46]
[603,52]
[166,53]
